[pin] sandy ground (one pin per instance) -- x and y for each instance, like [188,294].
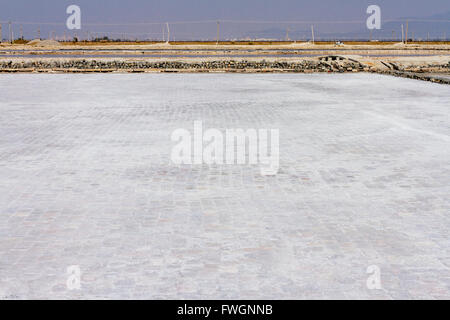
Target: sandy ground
[303,48]
[395,46]
[406,56]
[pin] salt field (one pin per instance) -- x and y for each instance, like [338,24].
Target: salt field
[86,180]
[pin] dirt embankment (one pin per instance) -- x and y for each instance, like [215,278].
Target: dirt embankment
[401,63]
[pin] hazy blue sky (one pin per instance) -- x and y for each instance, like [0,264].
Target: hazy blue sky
[27,12]
[142,10]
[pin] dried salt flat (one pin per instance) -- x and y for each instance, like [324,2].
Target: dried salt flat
[87,181]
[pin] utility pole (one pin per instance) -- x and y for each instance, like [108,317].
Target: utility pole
[403,35]
[287,34]
[39,33]
[218,32]
[168,33]
[21,32]
[406,34]
[312,31]
[163,35]
[393,35]
[10,32]
[1,36]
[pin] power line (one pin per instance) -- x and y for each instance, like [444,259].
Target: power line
[210,28]
[231,21]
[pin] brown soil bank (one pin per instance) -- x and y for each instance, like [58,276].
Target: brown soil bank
[423,69]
